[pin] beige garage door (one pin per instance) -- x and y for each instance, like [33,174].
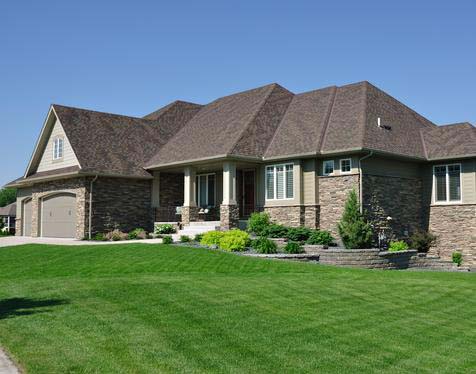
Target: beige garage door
[58,216]
[26,215]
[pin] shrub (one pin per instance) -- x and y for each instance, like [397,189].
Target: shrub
[100,237]
[198,237]
[167,239]
[457,258]
[212,238]
[116,235]
[397,246]
[275,231]
[320,237]
[353,229]
[165,228]
[234,240]
[184,238]
[264,245]
[293,247]
[422,240]
[298,234]
[138,234]
[258,222]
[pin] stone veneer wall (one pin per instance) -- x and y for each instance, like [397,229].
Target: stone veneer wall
[189,214]
[399,198]
[229,216]
[171,187]
[78,186]
[333,191]
[455,226]
[295,215]
[120,203]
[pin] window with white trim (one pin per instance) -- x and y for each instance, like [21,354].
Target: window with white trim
[328,167]
[447,183]
[58,148]
[206,190]
[346,165]
[279,182]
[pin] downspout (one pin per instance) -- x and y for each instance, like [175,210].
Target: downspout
[361,203]
[91,205]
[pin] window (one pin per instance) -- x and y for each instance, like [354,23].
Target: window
[328,167]
[205,190]
[447,183]
[279,182]
[346,165]
[57,148]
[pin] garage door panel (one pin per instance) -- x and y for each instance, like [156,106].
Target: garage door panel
[59,216]
[26,218]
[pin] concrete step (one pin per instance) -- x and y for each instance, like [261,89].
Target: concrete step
[204,223]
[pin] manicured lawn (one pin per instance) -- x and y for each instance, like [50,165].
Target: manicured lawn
[135,308]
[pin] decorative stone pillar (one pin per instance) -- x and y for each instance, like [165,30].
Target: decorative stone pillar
[18,227]
[189,209]
[35,215]
[229,211]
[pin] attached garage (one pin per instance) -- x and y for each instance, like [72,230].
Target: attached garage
[26,215]
[58,216]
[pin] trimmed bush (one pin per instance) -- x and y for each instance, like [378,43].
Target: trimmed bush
[167,239]
[293,247]
[320,237]
[184,238]
[276,231]
[258,223]
[212,238]
[234,240]
[138,234]
[422,241]
[397,246]
[116,235]
[165,228]
[198,238]
[457,258]
[100,237]
[353,229]
[299,234]
[264,245]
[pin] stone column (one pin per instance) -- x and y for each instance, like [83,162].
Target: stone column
[229,211]
[35,215]
[189,209]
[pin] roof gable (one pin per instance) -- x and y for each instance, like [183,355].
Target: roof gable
[450,141]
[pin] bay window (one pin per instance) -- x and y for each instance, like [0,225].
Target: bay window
[279,182]
[447,183]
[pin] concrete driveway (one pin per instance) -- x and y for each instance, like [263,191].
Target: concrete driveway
[8,241]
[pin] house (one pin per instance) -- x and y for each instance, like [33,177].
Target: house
[7,217]
[295,156]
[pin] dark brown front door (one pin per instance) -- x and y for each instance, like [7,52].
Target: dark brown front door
[248,202]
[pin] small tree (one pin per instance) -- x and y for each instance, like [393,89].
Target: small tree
[7,196]
[353,229]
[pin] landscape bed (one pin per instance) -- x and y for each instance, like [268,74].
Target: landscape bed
[162,308]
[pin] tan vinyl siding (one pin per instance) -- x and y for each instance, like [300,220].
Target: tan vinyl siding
[309,181]
[354,165]
[68,159]
[387,167]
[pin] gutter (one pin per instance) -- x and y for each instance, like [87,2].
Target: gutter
[91,205]
[361,204]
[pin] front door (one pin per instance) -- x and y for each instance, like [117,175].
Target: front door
[248,201]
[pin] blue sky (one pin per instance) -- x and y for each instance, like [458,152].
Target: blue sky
[133,57]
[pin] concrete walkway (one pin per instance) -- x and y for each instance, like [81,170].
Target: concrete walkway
[8,241]
[6,365]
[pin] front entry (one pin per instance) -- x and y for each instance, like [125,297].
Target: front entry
[247,198]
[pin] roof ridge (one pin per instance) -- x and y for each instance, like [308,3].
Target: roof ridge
[272,87]
[327,120]
[366,104]
[425,151]
[99,112]
[167,107]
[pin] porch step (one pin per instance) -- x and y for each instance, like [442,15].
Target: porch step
[195,228]
[204,223]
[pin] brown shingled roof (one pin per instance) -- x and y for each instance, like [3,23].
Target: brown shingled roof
[9,210]
[450,141]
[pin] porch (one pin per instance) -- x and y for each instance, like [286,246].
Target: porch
[226,192]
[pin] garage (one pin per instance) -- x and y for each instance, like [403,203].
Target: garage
[58,216]
[26,214]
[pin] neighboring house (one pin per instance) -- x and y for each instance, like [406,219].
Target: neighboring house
[7,217]
[295,156]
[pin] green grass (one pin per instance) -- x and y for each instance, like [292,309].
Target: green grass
[135,308]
